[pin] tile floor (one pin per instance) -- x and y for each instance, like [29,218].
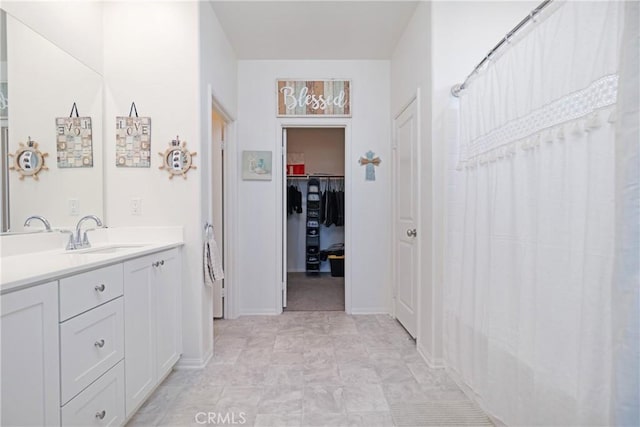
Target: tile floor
[309,369]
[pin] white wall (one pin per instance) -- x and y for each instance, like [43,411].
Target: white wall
[154,62]
[218,73]
[74,26]
[368,251]
[439,48]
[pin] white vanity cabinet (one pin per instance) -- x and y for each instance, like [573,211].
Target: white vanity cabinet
[89,348]
[30,357]
[153,341]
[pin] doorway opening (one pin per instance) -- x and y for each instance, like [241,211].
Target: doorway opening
[216,223]
[314,233]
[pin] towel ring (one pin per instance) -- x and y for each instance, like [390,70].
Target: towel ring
[208,231]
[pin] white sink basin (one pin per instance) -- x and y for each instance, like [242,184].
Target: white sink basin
[104,249]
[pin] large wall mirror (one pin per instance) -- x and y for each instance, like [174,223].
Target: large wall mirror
[42,82]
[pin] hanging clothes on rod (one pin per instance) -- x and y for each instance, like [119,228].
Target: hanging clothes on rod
[294,198]
[332,207]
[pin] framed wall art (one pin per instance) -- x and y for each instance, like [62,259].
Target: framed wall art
[313,98]
[256,165]
[133,140]
[74,141]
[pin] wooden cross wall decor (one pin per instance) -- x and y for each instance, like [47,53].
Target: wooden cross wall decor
[369,161]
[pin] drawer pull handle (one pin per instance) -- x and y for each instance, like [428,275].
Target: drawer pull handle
[100,415]
[100,288]
[99,344]
[155,264]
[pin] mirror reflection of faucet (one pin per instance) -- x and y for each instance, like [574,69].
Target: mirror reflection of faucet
[47,225]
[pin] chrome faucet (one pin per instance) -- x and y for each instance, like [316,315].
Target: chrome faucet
[46,223]
[83,242]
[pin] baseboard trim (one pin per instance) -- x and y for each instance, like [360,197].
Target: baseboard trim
[375,310]
[430,361]
[194,363]
[266,312]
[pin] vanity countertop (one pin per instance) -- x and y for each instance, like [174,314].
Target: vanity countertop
[25,270]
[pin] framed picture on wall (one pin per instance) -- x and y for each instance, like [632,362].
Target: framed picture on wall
[256,165]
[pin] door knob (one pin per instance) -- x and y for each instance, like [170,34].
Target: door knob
[412,233]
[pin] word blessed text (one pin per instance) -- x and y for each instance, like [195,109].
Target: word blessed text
[316,102]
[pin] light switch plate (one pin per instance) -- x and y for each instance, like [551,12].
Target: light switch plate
[136,206]
[74,207]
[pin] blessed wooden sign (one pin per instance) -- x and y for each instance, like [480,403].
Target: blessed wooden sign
[304,98]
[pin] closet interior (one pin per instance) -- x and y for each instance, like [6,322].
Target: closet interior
[315,219]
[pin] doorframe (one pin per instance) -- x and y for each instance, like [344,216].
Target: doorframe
[229,200]
[280,173]
[394,234]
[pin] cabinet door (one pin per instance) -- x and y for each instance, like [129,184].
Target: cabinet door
[167,278]
[30,356]
[140,331]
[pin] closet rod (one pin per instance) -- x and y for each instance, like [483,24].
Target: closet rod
[455,90]
[313,176]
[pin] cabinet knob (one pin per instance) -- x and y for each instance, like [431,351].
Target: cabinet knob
[162,262]
[99,344]
[100,288]
[155,264]
[100,415]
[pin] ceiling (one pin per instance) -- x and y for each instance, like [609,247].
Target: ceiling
[307,29]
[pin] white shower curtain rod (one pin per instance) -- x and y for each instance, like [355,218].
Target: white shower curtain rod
[455,90]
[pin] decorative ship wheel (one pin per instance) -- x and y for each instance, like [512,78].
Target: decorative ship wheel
[176,159]
[28,160]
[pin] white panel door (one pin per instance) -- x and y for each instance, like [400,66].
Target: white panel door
[139,332]
[30,366]
[406,208]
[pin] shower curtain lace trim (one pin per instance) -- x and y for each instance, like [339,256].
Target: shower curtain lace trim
[546,123]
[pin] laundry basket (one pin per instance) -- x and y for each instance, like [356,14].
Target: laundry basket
[337,265]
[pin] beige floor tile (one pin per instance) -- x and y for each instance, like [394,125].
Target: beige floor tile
[364,397]
[322,374]
[323,398]
[324,419]
[282,399]
[287,357]
[278,420]
[305,369]
[284,375]
[370,419]
[358,373]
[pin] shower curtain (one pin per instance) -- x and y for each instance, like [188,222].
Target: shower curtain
[529,297]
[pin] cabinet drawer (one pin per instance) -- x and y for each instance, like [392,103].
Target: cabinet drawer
[101,404]
[84,291]
[89,345]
